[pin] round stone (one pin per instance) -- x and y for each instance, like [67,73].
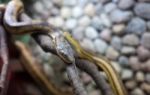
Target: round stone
[106,35]
[71,24]
[116,43]
[143,53]
[91,33]
[125,4]
[145,87]
[130,84]
[105,20]
[127,50]
[127,74]
[139,76]
[110,7]
[58,22]
[119,16]
[147,77]
[142,10]
[137,91]
[84,21]
[136,25]
[145,40]
[130,39]
[118,29]
[123,61]
[87,44]
[78,33]
[86,78]
[116,66]
[77,12]
[134,63]
[100,46]
[65,12]
[89,10]
[69,2]
[112,54]
[97,23]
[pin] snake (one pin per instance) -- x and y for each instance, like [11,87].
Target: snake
[15,8]
[103,63]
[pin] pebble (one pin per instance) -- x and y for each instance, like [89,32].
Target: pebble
[112,54]
[59,22]
[105,20]
[65,12]
[106,35]
[89,10]
[88,42]
[131,40]
[136,25]
[69,2]
[97,23]
[86,78]
[142,10]
[95,92]
[145,40]
[143,53]
[82,3]
[110,7]
[130,84]
[139,76]
[134,63]
[128,50]
[137,91]
[100,46]
[116,66]
[125,4]
[116,43]
[78,33]
[84,21]
[146,87]
[77,12]
[99,8]
[147,78]
[123,61]
[127,74]
[148,25]
[71,24]
[118,29]
[91,33]
[119,16]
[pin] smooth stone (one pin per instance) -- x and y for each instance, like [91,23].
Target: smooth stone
[88,45]
[99,8]
[118,29]
[100,46]
[127,50]
[130,84]
[91,33]
[127,74]
[136,25]
[134,63]
[57,2]
[131,40]
[54,12]
[59,22]
[77,12]
[90,9]
[105,20]
[112,54]
[123,61]
[116,43]
[78,33]
[71,24]
[142,10]
[139,76]
[119,16]
[82,3]
[86,78]
[126,4]
[145,40]
[97,23]
[116,66]
[137,91]
[145,87]
[106,35]
[38,6]
[143,53]
[148,25]
[95,92]
[65,12]
[84,21]
[69,2]
[147,77]
[110,7]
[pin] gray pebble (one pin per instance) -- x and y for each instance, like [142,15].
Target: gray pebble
[123,61]
[100,46]
[116,66]
[148,25]
[78,33]
[88,45]
[118,29]
[77,12]
[91,33]
[110,7]
[71,24]
[130,39]
[90,9]
[69,2]
[130,84]
[137,91]
[147,77]
[84,21]
[139,76]
[116,42]
[134,63]
[105,20]
[145,40]
[106,35]
[127,50]
[136,25]
[119,16]
[142,10]
[112,54]
[143,53]
[127,74]
[125,4]
[65,12]
[97,23]
[99,8]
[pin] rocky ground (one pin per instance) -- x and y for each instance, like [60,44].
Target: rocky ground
[117,29]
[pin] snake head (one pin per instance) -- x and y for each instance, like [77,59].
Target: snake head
[63,49]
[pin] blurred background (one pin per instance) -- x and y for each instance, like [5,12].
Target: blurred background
[116,29]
